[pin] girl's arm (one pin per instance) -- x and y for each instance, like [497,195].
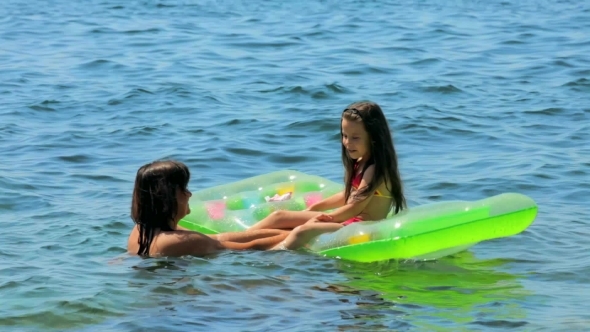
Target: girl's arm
[332,202]
[358,203]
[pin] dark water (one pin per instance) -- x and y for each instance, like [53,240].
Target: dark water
[482,97]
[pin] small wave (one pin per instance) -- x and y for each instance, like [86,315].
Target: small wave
[47,102]
[64,86]
[77,158]
[296,89]
[513,42]
[146,31]
[352,72]
[320,95]
[312,126]
[444,89]
[444,185]
[245,151]
[324,92]
[195,131]
[449,32]
[425,62]
[562,63]
[546,111]
[82,307]
[237,122]
[336,88]
[101,64]
[103,30]
[262,45]
[533,27]
[98,177]
[394,49]
[42,108]
[163,5]
[146,130]
[499,323]
[582,82]
[527,35]
[177,91]
[144,91]
[129,95]
[288,160]
[6,206]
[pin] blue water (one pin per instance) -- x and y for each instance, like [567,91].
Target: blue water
[483,97]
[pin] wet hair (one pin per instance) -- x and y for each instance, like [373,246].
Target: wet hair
[383,154]
[154,205]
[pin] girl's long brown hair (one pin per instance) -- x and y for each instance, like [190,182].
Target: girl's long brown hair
[154,206]
[383,154]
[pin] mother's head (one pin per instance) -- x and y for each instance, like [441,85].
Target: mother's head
[160,199]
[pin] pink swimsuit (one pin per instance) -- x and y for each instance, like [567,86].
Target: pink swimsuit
[356,181]
[352,220]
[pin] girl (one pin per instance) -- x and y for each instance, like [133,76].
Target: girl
[372,181]
[160,200]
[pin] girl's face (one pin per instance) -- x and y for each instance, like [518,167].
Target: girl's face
[355,139]
[182,198]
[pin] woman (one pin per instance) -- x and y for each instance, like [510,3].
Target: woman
[160,200]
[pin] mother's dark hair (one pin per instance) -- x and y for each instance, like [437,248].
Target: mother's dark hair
[154,205]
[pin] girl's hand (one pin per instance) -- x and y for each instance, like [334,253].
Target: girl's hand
[321,218]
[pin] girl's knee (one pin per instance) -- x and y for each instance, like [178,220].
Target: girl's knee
[299,230]
[278,215]
[304,228]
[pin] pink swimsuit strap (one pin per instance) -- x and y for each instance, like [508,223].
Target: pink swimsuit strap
[352,220]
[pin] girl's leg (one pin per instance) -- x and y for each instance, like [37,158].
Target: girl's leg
[285,219]
[258,244]
[301,235]
[248,235]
